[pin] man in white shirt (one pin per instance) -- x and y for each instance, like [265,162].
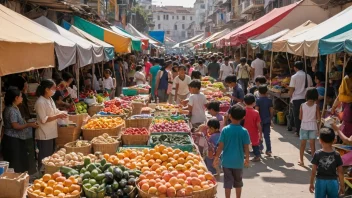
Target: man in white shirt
[298,86]
[226,69]
[258,66]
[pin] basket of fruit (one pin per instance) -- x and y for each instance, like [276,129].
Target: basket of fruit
[99,125]
[92,110]
[105,144]
[135,136]
[55,185]
[79,146]
[181,141]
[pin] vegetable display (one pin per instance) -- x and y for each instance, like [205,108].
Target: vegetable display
[103,123]
[178,139]
[136,131]
[61,158]
[104,139]
[165,125]
[103,177]
[80,143]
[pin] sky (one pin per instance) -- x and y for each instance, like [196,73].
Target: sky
[184,3]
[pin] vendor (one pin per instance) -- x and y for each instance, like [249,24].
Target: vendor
[47,115]
[345,97]
[17,143]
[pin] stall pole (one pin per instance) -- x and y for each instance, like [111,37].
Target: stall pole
[288,62]
[77,78]
[344,65]
[247,51]
[240,51]
[93,73]
[271,66]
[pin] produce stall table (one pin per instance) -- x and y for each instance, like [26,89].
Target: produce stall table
[284,97]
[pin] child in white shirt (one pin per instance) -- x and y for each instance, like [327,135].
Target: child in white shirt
[108,82]
[196,104]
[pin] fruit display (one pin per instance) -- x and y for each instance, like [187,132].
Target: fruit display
[205,83]
[169,125]
[207,78]
[104,178]
[167,139]
[166,171]
[218,85]
[55,185]
[104,139]
[61,158]
[112,109]
[103,123]
[136,131]
[87,94]
[81,107]
[137,98]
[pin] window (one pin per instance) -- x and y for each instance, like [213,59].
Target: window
[158,18]
[172,17]
[166,17]
[191,18]
[202,6]
[159,26]
[183,26]
[177,17]
[168,32]
[175,27]
[183,18]
[183,34]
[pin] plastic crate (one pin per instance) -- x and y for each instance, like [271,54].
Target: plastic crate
[184,147]
[129,92]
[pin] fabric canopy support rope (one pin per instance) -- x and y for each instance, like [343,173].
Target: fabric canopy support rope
[22,48]
[121,43]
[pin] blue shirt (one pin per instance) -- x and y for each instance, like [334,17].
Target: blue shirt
[264,104]
[237,92]
[234,138]
[213,140]
[321,91]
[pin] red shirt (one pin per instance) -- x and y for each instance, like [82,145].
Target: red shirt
[251,120]
[147,67]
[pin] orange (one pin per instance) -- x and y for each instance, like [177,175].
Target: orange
[177,151]
[68,183]
[60,179]
[106,156]
[173,181]
[158,161]
[51,183]
[162,148]
[74,187]
[180,160]
[151,182]
[56,192]
[151,151]
[37,186]
[156,155]
[154,167]
[151,162]
[61,195]
[164,157]
[56,175]
[59,188]
[133,154]
[147,157]
[75,192]
[46,177]
[48,190]
[162,189]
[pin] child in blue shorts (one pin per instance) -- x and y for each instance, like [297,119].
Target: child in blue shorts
[234,145]
[327,171]
[309,115]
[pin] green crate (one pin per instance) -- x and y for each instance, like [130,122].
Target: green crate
[185,147]
[129,92]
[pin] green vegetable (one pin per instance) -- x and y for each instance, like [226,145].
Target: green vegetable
[91,167]
[86,161]
[102,162]
[83,170]
[115,185]
[107,166]
[126,175]
[87,185]
[85,181]
[100,177]
[128,189]
[123,183]
[92,182]
[94,173]
[68,171]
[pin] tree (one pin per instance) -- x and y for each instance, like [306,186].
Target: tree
[140,20]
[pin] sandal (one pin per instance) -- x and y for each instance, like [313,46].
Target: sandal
[256,159]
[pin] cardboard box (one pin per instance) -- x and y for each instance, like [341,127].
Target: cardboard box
[13,185]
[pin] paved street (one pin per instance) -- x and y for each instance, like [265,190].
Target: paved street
[278,176]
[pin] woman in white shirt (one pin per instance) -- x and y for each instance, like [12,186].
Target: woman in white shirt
[47,115]
[139,76]
[226,69]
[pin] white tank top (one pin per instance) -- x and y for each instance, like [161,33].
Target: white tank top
[309,120]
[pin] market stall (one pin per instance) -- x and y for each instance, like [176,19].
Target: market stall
[136,42]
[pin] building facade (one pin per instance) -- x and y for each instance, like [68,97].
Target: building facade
[200,15]
[175,21]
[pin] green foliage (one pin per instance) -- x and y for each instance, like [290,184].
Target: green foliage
[141,20]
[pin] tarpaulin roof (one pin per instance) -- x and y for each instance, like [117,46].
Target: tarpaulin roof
[224,41]
[65,49]
[335,44]
[214,36]
[262,24]
[158,35]
[307,43]
[88,52]
[132,30]
[108,49]
[280,45]
[266,43]
[21,47]
[192,39]
[122,44]
[136,42]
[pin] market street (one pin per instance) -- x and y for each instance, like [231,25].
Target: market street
[278,176]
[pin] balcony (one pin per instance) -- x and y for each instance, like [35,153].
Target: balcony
[251,6]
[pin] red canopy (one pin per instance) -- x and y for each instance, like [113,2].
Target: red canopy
[262,24]
[224,41]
